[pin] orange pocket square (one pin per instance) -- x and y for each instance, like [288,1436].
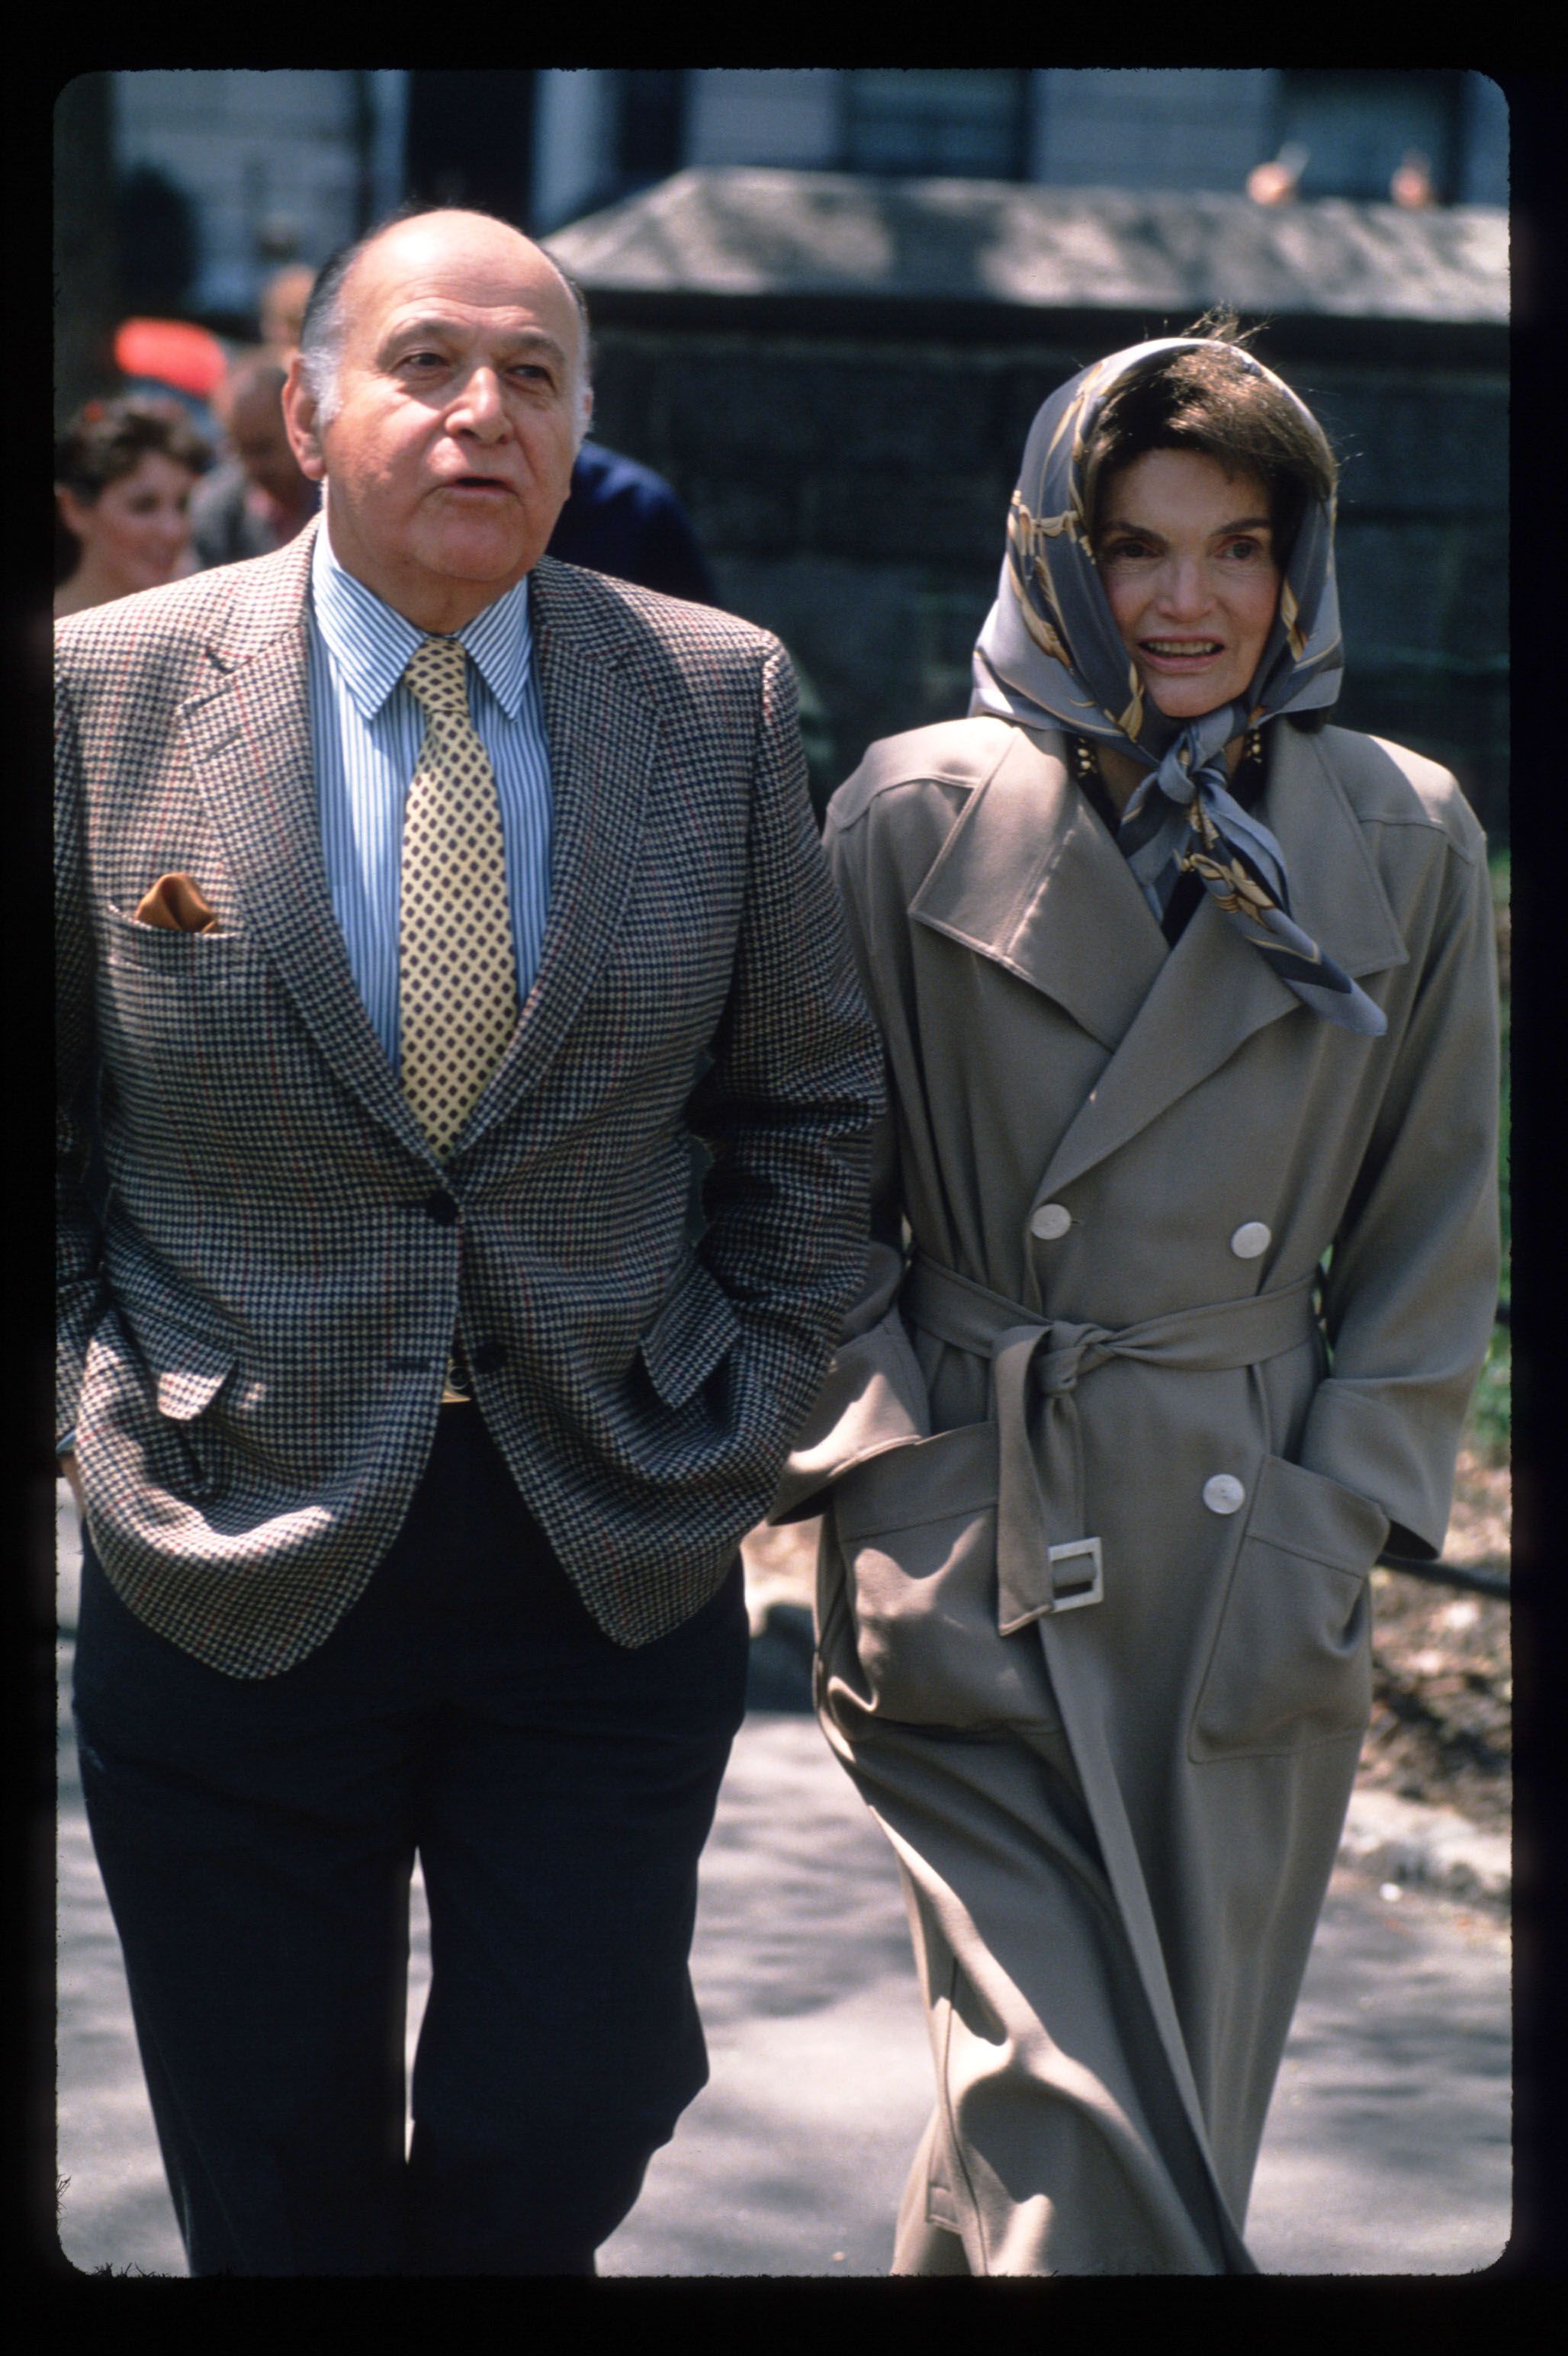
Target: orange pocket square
[177,905]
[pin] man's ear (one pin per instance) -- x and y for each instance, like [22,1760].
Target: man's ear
[300,419]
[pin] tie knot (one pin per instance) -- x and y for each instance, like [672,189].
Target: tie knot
[437,674]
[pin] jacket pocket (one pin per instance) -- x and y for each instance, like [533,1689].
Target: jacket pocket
[186,1370]
[141,947]
[914,1526]
[1292,1663]
[691,1333]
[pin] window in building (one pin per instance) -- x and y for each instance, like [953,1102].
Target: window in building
[467,139]
[1356,128]
[915,121]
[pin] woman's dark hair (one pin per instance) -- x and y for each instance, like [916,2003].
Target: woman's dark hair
[1206,399]
[108,439]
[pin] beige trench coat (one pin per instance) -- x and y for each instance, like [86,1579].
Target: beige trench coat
[1114,1774]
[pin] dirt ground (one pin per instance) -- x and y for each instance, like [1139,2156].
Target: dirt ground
[1443,1671]
[1441,1664]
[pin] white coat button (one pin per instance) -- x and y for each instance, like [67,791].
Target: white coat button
[1051,1219]
[1223,1494]
[1250,1239]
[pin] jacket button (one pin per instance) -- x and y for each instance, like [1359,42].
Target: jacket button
[1250,1239]
[488,1358]
[1223,1494]
[1051,1219]
[441,1208]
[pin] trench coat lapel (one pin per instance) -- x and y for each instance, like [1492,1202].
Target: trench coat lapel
[603,730]
[1214,989]
[1029,877]
[248,739]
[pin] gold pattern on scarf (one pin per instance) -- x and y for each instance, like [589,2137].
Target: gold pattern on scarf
[1028,534]
[1290,613]
[1131,721]
[1044,633]
[1246,896]
[1071,415]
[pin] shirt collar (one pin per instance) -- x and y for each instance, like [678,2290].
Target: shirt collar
[370,644]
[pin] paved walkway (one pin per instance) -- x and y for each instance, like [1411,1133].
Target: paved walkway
[1387,2151]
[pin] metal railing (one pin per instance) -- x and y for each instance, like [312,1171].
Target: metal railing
[1455,1574]
[1450,1574]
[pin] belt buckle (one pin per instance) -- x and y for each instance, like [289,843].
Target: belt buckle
[1092,1588]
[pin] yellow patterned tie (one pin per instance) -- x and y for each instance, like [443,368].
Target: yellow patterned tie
[457,984]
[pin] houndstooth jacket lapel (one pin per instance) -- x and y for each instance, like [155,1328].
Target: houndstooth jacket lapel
[247,740]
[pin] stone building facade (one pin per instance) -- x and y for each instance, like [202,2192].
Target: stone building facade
[285,164]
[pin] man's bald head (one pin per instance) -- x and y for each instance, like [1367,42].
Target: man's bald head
[326,315]
[454,412]
[253,380]
[250,404]
[283,298]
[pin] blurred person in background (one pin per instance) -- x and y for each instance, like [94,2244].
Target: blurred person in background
[1278,182]
[1411,186]
[125,471]
[1185,1261]
[283,300]
[256,499]
[622,518]
[175,362]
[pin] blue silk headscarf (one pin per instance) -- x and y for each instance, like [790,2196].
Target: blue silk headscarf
[1051,655]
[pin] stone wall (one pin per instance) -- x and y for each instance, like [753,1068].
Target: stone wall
[851,495]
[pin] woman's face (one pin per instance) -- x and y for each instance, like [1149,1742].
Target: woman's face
[1186,555]
[136,531]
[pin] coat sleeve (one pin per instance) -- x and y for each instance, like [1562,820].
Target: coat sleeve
[793,1085]
[1412,1288]
[80,1297]
[873,1393]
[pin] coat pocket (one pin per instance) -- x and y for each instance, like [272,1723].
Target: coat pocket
[141,947]
[1292,1662]
[914,1526]
[187,1374]
[691,1333]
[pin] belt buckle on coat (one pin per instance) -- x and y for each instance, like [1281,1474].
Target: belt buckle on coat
[1087,1585]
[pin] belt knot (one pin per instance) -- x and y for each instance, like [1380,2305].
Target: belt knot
[1036,1365]
[1063,1352]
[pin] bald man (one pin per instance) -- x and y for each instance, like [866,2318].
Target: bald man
[258,496]
[422,899]
[282,308]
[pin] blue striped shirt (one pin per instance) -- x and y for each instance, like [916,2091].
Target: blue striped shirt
[366,733]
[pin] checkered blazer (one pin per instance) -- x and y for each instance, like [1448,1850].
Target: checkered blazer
[252,1342]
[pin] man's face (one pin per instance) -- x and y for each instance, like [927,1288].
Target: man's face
[449,456]
[260,440]
[282,308]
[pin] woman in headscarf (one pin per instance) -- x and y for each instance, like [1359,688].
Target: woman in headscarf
[1185,1261]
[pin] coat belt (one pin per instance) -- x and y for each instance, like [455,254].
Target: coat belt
[1046,1561]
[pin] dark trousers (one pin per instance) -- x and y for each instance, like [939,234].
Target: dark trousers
[256,1840]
